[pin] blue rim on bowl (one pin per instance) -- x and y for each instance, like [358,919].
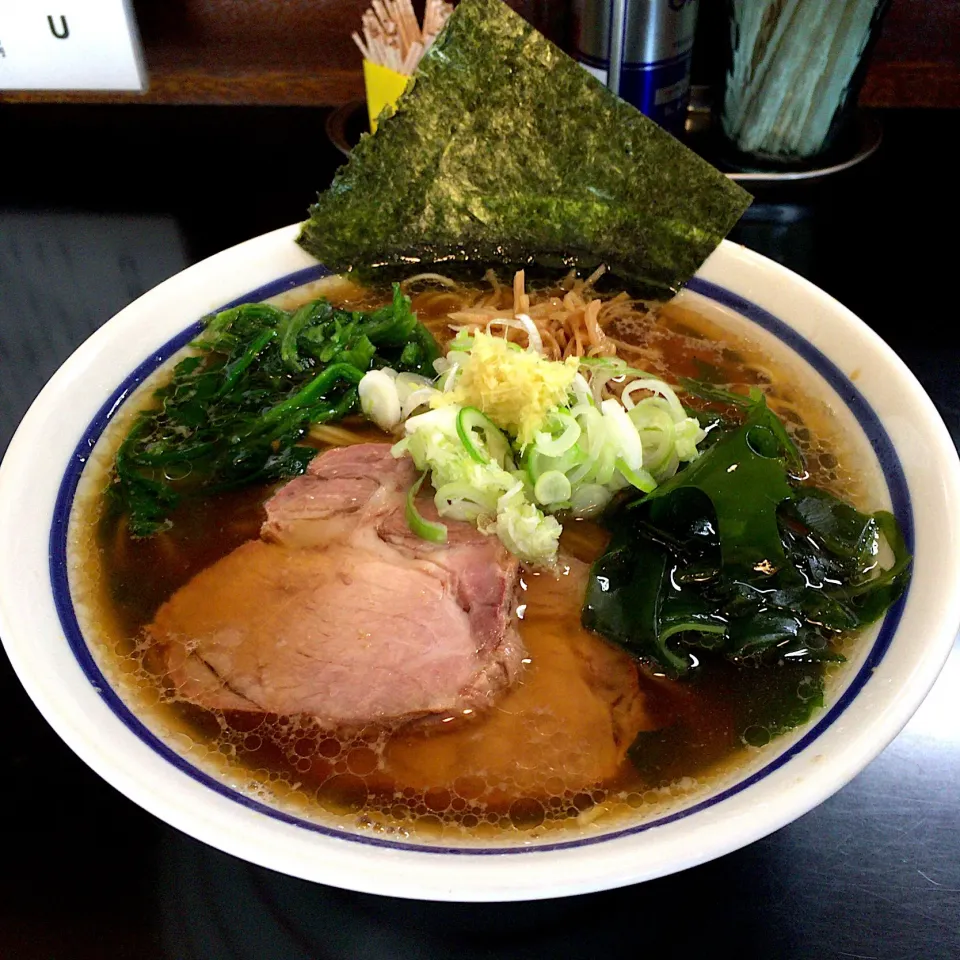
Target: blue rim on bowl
[865,415]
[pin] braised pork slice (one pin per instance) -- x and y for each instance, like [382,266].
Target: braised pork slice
[340,612]
[570,722]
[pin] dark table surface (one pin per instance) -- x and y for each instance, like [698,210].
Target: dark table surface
[97,205]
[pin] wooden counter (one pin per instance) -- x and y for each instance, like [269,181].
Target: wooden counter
[299,53]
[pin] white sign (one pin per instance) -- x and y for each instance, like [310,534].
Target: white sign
[69,45]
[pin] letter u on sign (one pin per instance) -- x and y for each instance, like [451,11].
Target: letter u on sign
[70,45]
[61,31]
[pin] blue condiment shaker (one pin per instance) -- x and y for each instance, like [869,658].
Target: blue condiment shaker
[641,49]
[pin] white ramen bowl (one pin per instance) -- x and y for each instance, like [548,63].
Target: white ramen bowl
[904,446]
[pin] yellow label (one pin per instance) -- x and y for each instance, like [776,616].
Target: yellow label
[384,87]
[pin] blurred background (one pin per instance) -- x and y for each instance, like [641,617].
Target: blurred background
[299,52]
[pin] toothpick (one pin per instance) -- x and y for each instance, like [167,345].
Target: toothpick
[393,38]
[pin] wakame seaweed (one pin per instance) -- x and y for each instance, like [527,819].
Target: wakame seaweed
[735,556]
[504,150]
[233,413]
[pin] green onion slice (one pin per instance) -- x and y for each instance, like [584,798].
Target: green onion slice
[424,529]
[641,479]
[552,487]
[555,446]
[470,420]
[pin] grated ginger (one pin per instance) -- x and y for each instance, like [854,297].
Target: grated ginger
[516,389]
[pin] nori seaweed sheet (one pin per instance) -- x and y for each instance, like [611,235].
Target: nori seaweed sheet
[504,150]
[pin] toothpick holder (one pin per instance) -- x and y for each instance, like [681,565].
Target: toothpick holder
[384,87]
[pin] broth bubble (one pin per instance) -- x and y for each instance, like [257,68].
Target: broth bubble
[756,736]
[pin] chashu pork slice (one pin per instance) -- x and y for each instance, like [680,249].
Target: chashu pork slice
[341,613]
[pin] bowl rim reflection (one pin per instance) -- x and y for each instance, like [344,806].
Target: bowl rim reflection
[280,251]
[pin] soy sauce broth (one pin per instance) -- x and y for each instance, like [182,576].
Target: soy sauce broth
[694,733]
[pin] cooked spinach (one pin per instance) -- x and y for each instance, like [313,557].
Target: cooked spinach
[233,413]
[735,555]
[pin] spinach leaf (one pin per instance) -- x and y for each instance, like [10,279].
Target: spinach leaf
[235,411]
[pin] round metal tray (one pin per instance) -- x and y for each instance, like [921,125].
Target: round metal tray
[859,143]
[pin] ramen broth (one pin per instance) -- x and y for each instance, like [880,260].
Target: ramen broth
[539,761]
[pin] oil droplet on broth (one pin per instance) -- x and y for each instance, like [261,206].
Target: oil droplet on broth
[527,813]
[756,736]
[343,794]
